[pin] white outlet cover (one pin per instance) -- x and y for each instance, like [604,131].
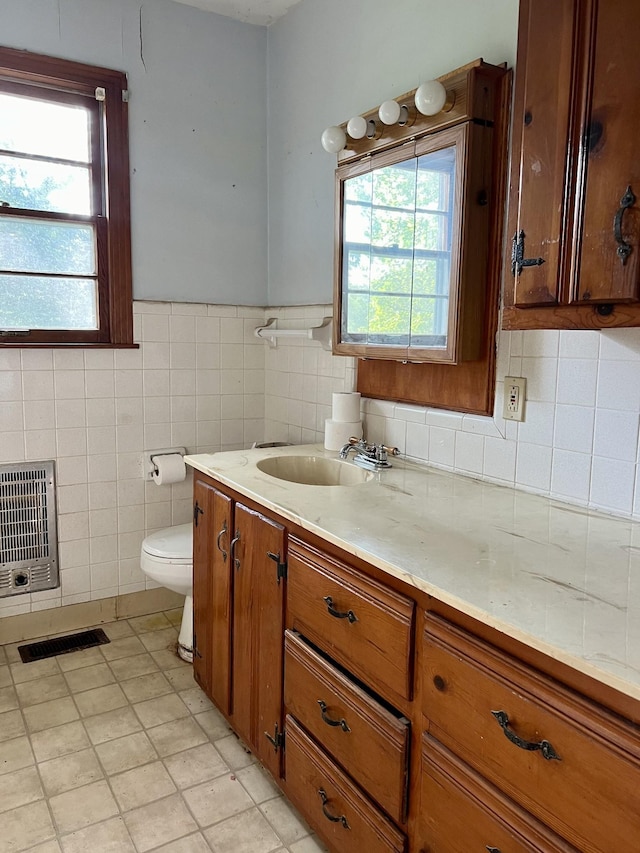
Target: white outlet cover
[515,394]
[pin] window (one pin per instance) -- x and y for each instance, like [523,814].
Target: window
[65,257]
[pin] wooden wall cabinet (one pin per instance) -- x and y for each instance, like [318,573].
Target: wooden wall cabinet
[391,721]
[573,253]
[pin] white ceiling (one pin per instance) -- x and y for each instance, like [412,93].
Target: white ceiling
[263,12]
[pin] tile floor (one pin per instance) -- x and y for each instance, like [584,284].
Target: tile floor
[115,749]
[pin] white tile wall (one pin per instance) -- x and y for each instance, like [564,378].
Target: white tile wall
[203,380]
[197,380]
[579,441]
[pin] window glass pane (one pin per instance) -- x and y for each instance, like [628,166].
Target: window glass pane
[44,128]
[357,223]
[359,270]
[36,185]
[429,318]
[37,302]
[391,275]
[357,314]
[36,245]
[390,315]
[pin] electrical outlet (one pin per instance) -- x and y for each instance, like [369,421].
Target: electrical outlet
[515,388]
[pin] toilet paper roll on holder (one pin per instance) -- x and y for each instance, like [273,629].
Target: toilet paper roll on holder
[150,466]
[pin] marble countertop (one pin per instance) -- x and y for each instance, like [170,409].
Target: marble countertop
[563,580]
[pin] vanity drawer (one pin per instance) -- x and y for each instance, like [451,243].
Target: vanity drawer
[590,794]
[461,812]
[339,812]
[362,624]
[366,739]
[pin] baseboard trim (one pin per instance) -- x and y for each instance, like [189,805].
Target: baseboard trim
[72,617]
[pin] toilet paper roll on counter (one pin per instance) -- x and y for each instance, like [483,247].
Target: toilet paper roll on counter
[169,468]
[346,406]
[338,433]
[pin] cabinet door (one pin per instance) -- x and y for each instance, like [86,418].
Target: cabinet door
[541,137]
[608,272]
[213,517]
[258,633]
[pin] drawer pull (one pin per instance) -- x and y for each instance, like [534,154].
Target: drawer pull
[350,615]
[218,545]
[342,723]
[333,818]
[544,746]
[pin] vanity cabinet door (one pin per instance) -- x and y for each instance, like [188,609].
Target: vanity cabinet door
[257,550]
[212,521]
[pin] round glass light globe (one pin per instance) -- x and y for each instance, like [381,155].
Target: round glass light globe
[333,139]
[357,127]
[430,97]
[389,112]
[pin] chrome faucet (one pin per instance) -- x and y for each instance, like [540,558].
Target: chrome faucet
[371,456]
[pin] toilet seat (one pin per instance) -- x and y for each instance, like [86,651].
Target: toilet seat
[174,544]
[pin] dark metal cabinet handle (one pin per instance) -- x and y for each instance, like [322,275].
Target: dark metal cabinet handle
[333,818]
[232,549]
[323,711]
[218,546]
[624,249]
[350,615]
[544,746]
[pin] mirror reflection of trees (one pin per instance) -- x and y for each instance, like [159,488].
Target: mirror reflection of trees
[397,251]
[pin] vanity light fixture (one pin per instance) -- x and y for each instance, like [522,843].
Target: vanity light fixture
[333,139]
[357,127]
[389,112]
[432,97]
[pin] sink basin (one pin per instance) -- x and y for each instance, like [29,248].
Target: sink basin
[313,471]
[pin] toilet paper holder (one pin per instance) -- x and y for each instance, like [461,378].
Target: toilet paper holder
[150,466]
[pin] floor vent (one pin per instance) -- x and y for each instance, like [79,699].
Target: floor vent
[28,540]
[63,645]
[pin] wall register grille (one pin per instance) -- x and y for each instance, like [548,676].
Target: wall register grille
[28,535]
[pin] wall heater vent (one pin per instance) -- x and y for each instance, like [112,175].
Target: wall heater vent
[28,535]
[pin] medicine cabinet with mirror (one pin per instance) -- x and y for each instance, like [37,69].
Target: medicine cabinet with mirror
[418,229]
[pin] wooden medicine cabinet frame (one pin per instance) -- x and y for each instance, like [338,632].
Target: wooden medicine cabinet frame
[461,375]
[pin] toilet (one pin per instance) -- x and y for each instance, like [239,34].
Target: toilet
[167,558]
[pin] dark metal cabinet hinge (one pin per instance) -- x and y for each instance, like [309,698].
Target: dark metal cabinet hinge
[276,739]
[281,572]
[518,260]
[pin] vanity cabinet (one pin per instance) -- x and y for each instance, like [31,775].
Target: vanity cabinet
[574,220]
[565,760]
[239,556]
[392,721]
